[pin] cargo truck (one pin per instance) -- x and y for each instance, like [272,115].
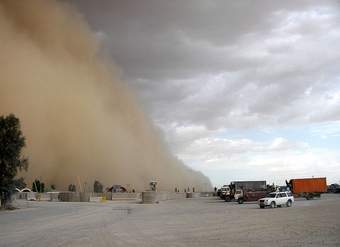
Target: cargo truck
[242,191]
[307,187]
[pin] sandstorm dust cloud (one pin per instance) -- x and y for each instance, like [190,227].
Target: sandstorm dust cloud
[81,122]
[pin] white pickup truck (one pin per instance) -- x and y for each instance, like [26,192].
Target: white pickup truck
[275,199]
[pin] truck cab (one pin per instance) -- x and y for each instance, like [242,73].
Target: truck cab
[238,194]
[225,192]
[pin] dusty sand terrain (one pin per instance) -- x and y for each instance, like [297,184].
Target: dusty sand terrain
[186,222]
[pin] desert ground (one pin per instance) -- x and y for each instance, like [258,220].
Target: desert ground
[183,222]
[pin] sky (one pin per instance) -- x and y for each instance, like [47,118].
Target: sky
[240,90]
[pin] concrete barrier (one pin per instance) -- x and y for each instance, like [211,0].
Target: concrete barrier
[149,197]
[84,196]
[193,195]
[43,197]
[117,196]
[157,196]
[31,196]
[96,199]
[207,194]
[21,195]
[68,196]
[53,196]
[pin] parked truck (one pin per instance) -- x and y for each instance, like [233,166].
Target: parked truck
[242,191]
[307,187]
[224,192]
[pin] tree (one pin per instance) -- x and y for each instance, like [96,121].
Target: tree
[20,183]
[12,142]
[38,186]
[97,187]
[72,187]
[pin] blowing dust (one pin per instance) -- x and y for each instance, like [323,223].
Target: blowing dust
[80,120]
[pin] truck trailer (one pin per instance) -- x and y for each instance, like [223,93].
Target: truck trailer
[250,185]
[308,187]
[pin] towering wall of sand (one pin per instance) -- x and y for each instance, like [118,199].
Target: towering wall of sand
[79,119]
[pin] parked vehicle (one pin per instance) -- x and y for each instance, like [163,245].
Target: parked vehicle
[242,196]
[225,191]
[276,199]
[308,187]
[333,188]
[242,191]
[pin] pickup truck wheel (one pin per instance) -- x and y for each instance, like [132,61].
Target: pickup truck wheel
[240,201]
[289,203]
[272,204]
[261,206]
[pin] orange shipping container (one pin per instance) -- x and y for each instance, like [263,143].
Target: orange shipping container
[308,185]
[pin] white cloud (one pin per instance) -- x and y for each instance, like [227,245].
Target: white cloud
[273,161]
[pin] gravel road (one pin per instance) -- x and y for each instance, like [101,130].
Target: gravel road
[185,222]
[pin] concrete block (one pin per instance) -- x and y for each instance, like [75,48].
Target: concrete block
[68,196]
[53,196]
[31,196]
[96,198]
[149,197]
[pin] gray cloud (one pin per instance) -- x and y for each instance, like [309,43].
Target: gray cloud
[203,67]
[223,64]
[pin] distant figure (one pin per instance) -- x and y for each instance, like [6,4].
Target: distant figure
[133,191]
[153,185]
[185,190]
[193,189]
[215,189]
